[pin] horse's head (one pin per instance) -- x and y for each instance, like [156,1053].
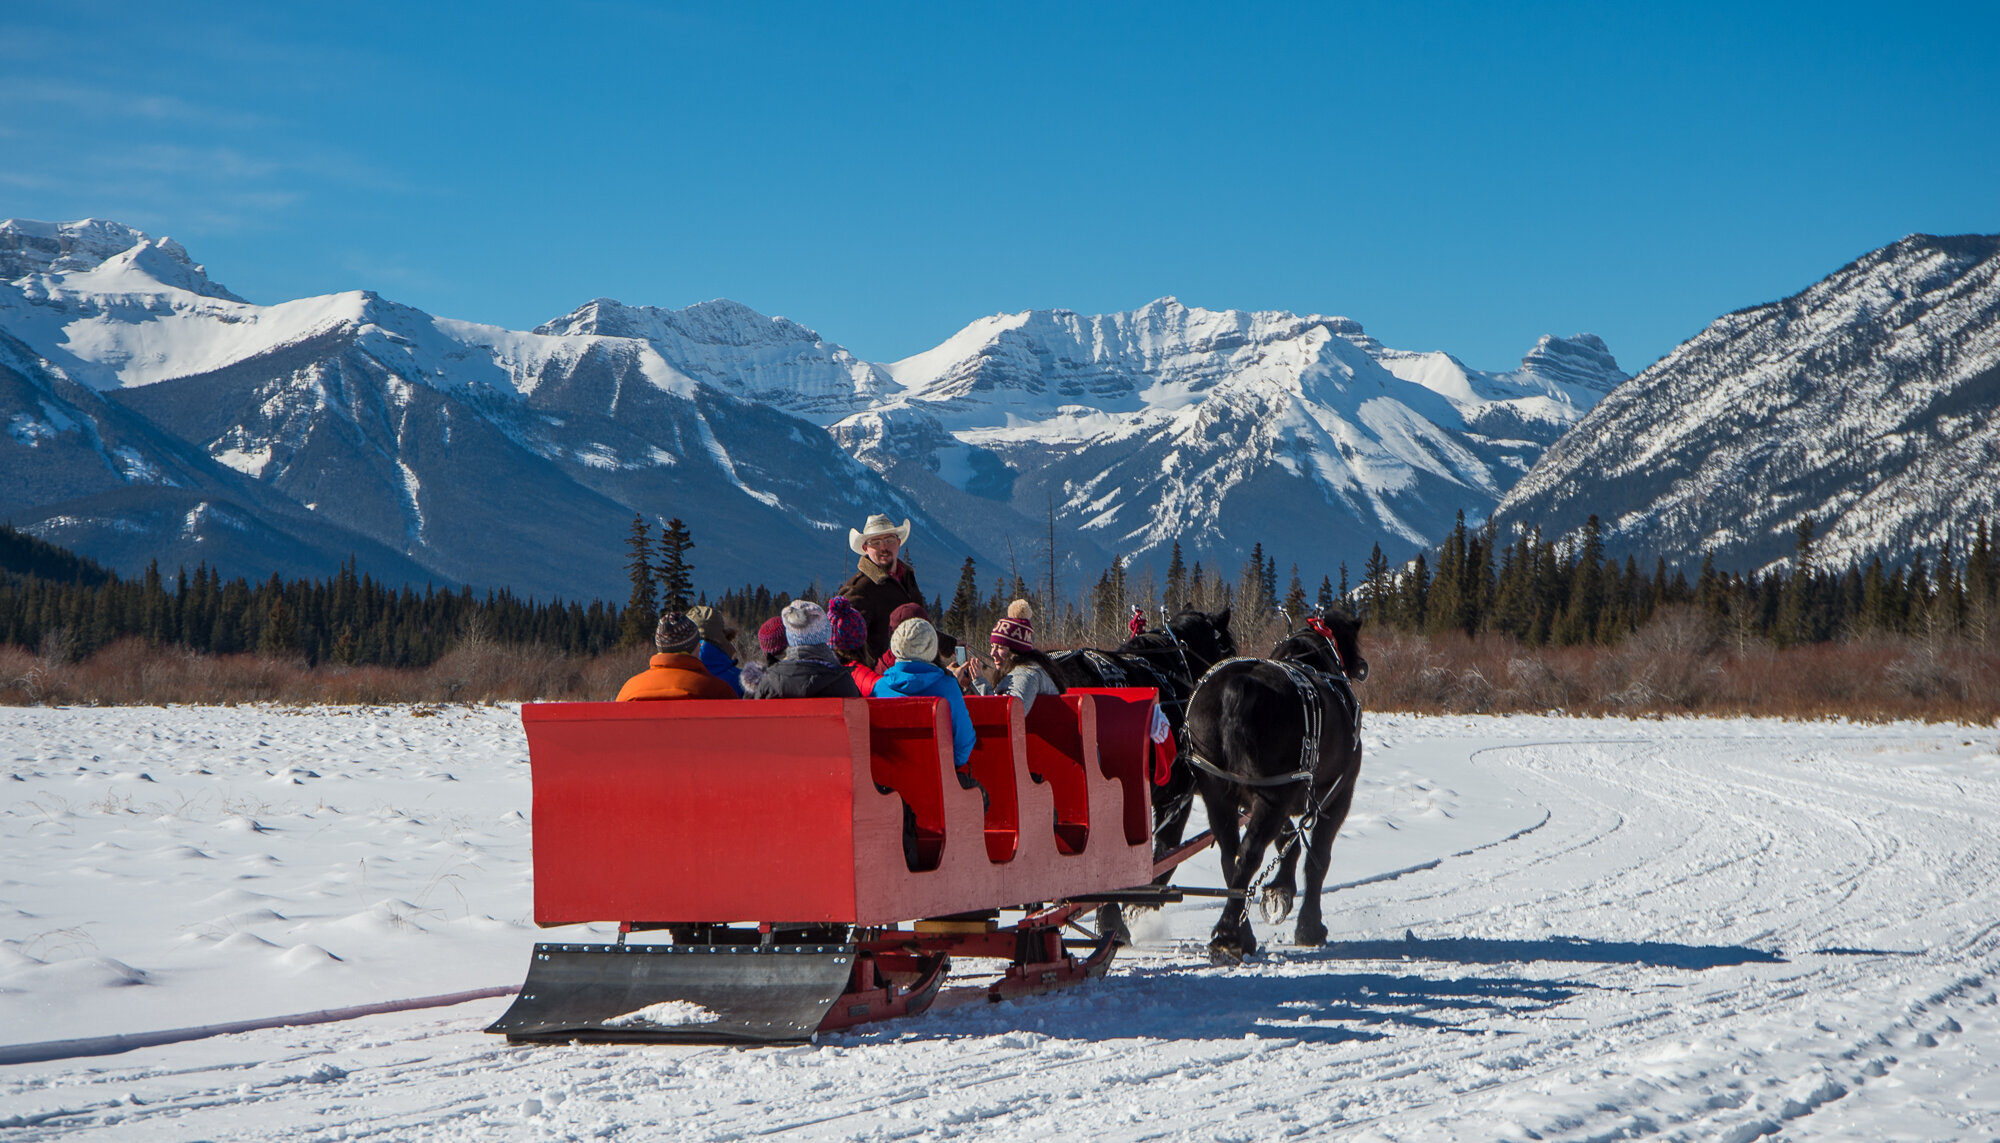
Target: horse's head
[1206,637]
[1339,632]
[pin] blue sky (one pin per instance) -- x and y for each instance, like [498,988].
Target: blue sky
[1455,177]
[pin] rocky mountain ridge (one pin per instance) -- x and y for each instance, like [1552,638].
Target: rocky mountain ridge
[1869,402]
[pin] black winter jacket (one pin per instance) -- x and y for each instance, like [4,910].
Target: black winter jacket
[807,672]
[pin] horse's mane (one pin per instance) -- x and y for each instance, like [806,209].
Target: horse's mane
[1146,643]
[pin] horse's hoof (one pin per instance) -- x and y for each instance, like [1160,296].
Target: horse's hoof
[1275,904]
[1224,953]
[1111,923]
[1246,938]
[1309,936]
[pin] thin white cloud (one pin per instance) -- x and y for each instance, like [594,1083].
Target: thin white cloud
[19,93]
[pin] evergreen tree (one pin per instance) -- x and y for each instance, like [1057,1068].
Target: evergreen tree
[1176,580]
[1576,623]
[1375,587]
[1295,597]
[965,599]
[641,610]
[1796,603]
[1255,603]
[1413,604]
[280,635]
[675,570]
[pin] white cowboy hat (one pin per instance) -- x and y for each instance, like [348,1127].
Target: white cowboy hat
[877,526]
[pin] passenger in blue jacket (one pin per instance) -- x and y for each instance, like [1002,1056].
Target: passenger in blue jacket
[913,675]
[717,650]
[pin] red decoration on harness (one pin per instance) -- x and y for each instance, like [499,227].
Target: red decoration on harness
[1138,624]
[1319,625]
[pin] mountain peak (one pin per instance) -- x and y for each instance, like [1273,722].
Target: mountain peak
[731,347]
[29,246]
[1582,361]
[1864,402]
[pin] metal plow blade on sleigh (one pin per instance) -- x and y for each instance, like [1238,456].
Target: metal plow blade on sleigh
[816,861]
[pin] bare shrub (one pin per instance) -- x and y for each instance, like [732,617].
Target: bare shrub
[1671,663]
[1925,674]
[1675,666]
[1543,682]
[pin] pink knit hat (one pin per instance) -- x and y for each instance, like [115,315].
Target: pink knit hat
[1017,628]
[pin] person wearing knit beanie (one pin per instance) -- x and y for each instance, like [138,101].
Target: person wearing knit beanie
[914,675]
[850,643]
[810,668]
[1018,669]
[676,634]
[914,639]
[849,628]
[675,673]
[1016,629]
[806,625]
[771,638]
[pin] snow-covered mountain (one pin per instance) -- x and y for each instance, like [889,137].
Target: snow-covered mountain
[136,390]
[1217,429]
[1869,401]
[469,453]
[731,347]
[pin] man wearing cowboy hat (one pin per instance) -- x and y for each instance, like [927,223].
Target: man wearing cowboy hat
[883,581]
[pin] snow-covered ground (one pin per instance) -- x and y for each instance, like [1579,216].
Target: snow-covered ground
[1542,929]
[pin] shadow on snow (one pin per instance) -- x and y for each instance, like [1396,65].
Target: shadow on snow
[1183,1003]
[1471,950]
[1208,1004]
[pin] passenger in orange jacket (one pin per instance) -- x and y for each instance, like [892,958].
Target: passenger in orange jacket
[675,672]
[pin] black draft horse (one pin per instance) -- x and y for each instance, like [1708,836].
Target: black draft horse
[1279,739]
[1171,662]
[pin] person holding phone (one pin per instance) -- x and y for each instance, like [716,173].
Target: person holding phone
[1017,668]
[916,674]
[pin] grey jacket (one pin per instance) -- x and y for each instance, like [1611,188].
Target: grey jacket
[1026,682]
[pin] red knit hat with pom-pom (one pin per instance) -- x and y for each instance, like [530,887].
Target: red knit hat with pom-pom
[1017,628]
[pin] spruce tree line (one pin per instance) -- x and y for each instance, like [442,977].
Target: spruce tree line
[1540,593]
[67,606]
[1531,589]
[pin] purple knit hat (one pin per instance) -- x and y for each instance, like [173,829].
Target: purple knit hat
[771,636]
[1016,629]
[850,628]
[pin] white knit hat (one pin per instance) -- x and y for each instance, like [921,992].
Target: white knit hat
[916,640]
